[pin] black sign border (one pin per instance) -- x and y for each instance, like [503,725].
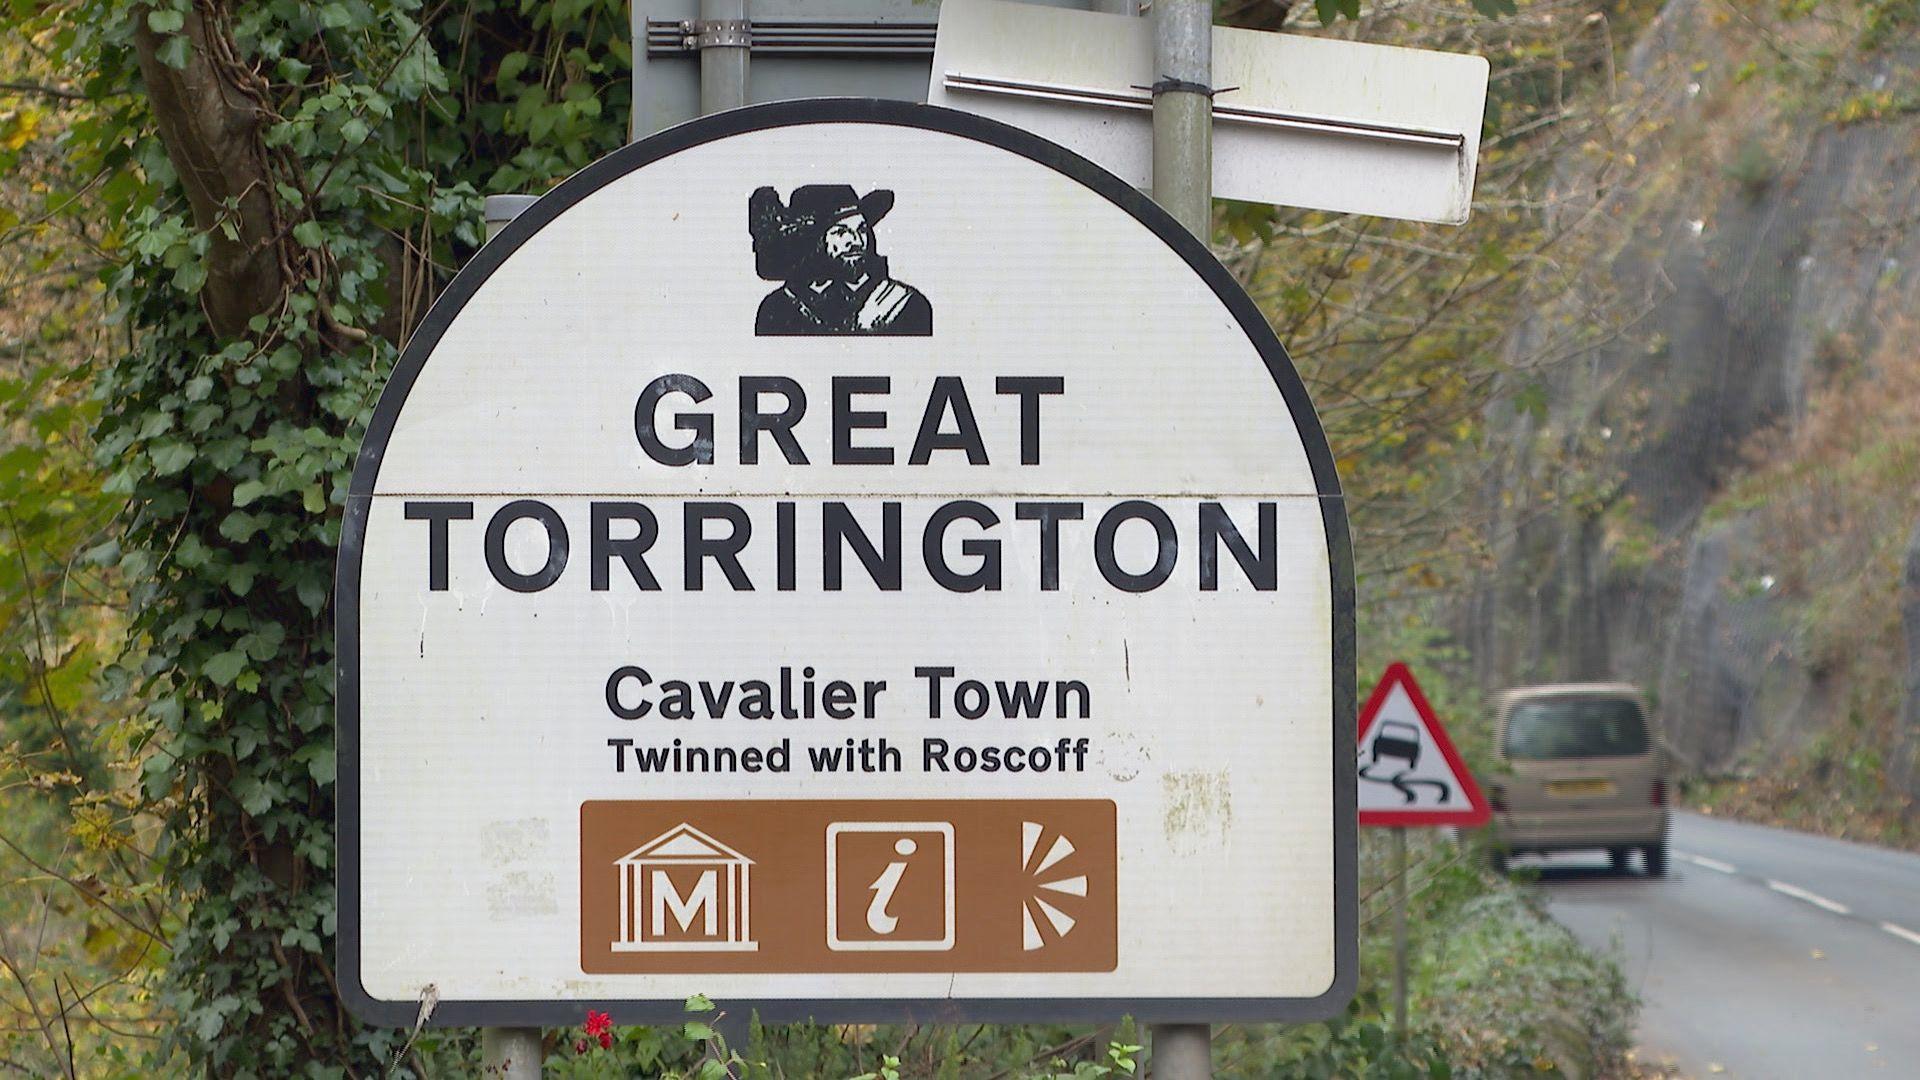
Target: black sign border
[568,1012]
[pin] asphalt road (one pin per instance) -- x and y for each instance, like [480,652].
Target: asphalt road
[1764,953]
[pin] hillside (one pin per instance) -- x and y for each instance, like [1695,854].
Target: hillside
[1716,499]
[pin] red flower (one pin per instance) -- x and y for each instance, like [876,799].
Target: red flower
[598,1023]
[606,1040]
[580,1046]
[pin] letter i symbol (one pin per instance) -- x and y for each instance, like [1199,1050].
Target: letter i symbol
[883,887]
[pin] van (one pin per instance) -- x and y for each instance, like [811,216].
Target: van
[1585,767]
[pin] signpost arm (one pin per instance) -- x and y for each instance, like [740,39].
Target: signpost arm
[1400,933]
[1183,185]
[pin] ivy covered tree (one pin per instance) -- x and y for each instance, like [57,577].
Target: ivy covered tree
[280,190]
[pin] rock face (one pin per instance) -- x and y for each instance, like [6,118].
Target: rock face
[1764,254]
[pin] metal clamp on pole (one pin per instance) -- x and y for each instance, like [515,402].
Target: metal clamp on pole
[724,37]
[1183,111]
[718,33]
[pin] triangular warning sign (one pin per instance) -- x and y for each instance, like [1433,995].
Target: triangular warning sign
[1409,772]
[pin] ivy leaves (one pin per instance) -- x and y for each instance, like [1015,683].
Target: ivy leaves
[230,418]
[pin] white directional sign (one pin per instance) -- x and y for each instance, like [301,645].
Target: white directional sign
[1409,773]
[1298,121]
[853,560]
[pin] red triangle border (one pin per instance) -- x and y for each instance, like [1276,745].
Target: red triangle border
[1477,811]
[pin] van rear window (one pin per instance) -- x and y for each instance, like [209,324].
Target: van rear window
[1547,729]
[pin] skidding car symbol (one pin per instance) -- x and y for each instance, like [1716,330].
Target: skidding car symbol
[1397,739]
[1400,741]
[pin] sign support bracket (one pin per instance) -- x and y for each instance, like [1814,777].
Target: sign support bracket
[725,44]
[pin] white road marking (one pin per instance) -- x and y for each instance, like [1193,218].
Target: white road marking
[1711,864]
[1901,932]
[1815,899]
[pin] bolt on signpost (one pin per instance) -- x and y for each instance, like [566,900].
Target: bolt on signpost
[1410,775]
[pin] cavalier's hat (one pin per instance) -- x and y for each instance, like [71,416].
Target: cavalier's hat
[785,236]
[828,203]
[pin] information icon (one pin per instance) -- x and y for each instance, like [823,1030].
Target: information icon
[890,886]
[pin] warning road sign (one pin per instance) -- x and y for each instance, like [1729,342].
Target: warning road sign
[1408,770]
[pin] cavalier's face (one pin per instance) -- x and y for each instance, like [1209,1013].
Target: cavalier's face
[849,242]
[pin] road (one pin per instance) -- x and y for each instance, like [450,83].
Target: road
[1764,954]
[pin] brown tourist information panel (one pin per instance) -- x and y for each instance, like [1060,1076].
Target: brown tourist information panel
[795,885]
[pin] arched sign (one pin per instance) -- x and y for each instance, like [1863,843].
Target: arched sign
[852,560]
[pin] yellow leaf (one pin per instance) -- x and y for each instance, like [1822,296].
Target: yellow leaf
[18,129]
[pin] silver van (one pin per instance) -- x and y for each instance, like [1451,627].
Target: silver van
[1586,768]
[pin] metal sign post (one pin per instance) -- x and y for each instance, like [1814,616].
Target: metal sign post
[1183,185]
[509,1053]
[1400,932]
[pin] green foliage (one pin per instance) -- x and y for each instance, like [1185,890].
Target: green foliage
[1360,1045]
[1493,953]
[380,121]
[1495,987]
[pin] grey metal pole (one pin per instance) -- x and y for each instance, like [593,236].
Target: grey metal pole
[1182,1052]
[725,41]
[510,1053]
[1183,185]
[1183,111]
[1400,933]
[500,209]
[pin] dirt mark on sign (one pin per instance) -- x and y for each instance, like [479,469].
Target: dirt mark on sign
[1197,809]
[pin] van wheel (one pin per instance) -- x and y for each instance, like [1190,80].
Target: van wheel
[1656,859]
[1618,857]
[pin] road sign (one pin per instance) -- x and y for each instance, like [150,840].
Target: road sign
[798,49]
[1408,770]
[1298,121]
[853,560]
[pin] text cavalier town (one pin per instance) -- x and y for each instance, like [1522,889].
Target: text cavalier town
[964,545]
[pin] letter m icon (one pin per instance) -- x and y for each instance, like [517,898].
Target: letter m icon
[702,902]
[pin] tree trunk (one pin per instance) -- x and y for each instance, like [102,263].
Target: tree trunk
[209,119]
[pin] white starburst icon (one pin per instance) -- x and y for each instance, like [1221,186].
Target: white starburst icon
[1052,887]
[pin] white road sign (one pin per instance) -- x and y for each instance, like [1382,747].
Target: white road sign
[1298,121]
[852,560]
